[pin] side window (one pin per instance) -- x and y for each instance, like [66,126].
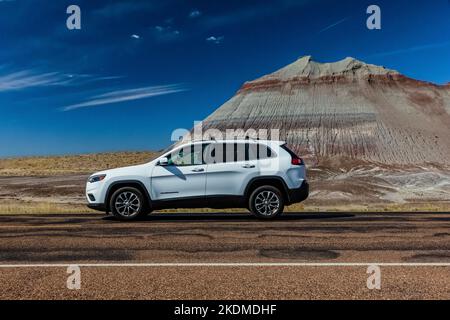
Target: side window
[253,151]
[241,151]
[260,151]
[226,152]
[215,153]
[188,156]
[264,152]
[234,152]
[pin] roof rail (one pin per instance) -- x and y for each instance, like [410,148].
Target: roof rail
[201,140]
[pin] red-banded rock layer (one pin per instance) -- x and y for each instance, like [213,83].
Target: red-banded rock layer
[346,109]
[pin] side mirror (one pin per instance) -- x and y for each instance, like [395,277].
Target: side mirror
[163,161]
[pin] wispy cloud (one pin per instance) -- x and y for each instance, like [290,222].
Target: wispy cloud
[29,78]
[127,95]
[215,39]
[331,26]
[410,49]
[195,13]
[135,36]
[165,33]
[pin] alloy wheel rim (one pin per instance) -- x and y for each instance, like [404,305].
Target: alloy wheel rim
[127,204]
[267,203]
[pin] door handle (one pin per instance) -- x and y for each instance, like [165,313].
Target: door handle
[248,166]
[198,170]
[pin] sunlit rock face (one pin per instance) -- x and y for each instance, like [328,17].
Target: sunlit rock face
[346,110]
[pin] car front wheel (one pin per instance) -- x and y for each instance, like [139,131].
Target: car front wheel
[266,202]
[128,204]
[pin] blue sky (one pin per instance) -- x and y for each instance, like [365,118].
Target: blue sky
[137,70]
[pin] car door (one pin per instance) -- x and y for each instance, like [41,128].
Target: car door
[183,177]
[230,168]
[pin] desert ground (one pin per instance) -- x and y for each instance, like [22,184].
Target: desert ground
[55,184]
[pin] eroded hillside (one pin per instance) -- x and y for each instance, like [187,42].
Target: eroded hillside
[348,110]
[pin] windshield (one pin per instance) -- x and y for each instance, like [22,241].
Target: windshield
[173,145]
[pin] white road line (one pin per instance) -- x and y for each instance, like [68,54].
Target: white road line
[244,264]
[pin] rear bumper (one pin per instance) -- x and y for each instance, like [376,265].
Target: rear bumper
[300,194]
[97,206]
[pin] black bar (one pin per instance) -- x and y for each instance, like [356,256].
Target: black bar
[232,309]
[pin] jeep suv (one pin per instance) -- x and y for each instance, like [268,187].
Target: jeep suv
[262,176]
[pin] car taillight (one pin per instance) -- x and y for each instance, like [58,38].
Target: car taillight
[296,161]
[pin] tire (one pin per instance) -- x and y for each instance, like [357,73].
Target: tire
[128,203]
[266,202]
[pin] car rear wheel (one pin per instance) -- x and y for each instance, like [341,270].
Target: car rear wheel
[266,202]
[128,203]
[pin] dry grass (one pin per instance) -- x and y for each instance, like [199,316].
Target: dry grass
[61,165]
[21,207]
[373,207]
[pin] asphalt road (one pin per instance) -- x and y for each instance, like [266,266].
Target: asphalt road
[322,238]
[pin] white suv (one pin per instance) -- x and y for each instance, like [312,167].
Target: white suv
[262,176]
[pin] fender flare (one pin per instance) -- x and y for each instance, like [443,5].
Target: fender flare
[115,183]
[277,178]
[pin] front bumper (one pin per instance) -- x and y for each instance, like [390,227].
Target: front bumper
[299,194]
[95,196]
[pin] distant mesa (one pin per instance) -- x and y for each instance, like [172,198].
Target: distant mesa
[347,110]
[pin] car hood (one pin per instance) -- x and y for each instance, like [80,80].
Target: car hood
[142,169]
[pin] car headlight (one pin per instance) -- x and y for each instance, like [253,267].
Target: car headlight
[97,178]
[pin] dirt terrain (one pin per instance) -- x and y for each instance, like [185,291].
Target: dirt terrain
[321,238]
[56,184]
[360,188]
